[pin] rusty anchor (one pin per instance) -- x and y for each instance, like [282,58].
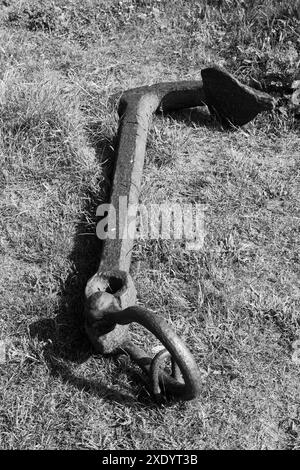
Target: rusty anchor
[110,294]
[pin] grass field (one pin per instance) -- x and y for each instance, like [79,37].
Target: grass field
[235,302]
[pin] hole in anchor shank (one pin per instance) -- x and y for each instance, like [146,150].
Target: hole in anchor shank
[115,284]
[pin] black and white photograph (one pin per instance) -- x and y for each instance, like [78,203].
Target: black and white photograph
[150,228]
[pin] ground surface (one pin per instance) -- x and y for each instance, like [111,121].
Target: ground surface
[235,302]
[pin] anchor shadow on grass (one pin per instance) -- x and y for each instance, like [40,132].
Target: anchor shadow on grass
[64,338]
[199,116]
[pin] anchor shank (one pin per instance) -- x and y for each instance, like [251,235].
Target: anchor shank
[132,136]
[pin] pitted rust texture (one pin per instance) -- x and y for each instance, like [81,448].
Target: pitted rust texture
[110,293]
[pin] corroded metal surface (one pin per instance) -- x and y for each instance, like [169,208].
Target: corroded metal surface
[110,293]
